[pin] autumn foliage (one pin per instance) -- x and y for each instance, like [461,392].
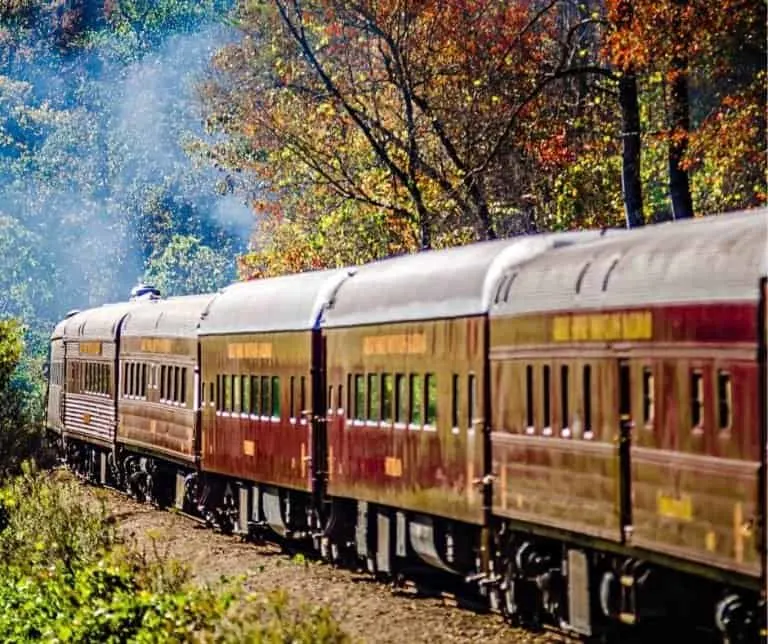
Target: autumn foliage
[376,127]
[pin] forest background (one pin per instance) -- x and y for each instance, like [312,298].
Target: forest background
[192,143]
[189,143]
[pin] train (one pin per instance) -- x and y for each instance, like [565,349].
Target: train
[572,424]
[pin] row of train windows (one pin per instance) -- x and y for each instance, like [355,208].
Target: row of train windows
[171,381]
[257,395]
[697,398]
[91,377]
[399,398]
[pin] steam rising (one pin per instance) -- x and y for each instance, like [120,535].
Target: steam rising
[94,177]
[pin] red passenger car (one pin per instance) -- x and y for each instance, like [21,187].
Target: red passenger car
[261,359]
[159,397]
[628,414]
[91,340]
[406,343]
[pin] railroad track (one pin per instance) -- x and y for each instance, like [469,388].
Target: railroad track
[419,584]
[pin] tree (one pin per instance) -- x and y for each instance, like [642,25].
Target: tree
[185,267]
[702,59]
[420,110]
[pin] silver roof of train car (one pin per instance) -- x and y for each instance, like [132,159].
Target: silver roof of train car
[719,258]
[287,303]
[99,323]
[449,283]
[174,317]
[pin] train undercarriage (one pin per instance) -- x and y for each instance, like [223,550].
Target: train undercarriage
[534,581]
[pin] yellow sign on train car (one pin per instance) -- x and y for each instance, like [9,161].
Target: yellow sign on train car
[156,345]
[602,327]
[91,348]
[393,466]
[674,508]
[249,350]
[389,344]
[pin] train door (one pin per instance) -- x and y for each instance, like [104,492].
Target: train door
[625,444]
[318,458]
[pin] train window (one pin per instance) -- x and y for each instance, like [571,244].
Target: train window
[255,397]
[218,393]
[275,396]
[302,396]
[291,401]
[724,400]
[401,398]
[359,412]
[330,399]
[430,400]
[697,398]
[265,406]
[625,390]
[237,393]
[125,379]
[417,399]
[350,413]
[374,404]
[564,393]
[471,398]
[455,401]
[144,380]
[340,398]
[245,384]
[587,398]
[649,396]
[227,393]
[387,396]
[529,411]
[211,394]
[547,402]
[177,384]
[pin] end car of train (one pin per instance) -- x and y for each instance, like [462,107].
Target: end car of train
[573,423]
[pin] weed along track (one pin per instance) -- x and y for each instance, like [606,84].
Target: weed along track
[368,610]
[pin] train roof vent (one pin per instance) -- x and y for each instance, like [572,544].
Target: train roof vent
[509,286]
[145,292]
[608,273]
[580,279]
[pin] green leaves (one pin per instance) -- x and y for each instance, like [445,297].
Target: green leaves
[64,577]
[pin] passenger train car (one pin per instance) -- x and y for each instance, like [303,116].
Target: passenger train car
[573,423]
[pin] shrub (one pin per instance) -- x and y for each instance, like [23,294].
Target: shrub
[65,577]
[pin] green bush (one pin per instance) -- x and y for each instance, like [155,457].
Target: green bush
[66,577]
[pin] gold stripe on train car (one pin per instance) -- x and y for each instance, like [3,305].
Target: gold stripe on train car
[90,348]
[376,345]
[156,345]
[253,350]
[249,448]
[634,325]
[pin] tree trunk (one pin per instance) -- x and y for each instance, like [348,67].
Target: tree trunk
[630,173]
[678,115]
